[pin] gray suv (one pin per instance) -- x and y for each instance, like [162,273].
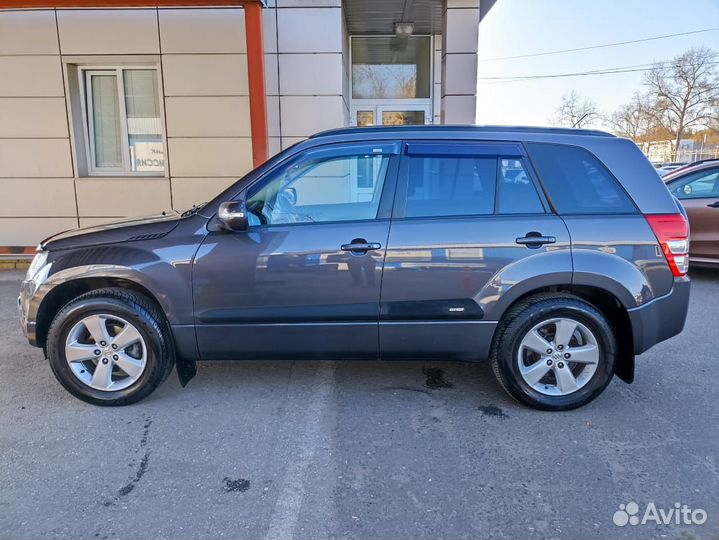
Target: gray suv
[558,255]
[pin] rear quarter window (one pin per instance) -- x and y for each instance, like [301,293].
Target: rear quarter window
[577,182]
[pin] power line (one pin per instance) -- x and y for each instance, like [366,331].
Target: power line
[606,71]
[665,36]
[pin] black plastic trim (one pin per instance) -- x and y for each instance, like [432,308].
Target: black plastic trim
[292,314]
[431,310]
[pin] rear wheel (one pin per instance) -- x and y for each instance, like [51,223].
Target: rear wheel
[110,347]
[554,352]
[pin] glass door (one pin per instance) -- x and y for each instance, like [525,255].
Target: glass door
[391,114]
[400,115]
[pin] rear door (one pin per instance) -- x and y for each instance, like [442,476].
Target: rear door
[699,193]
[468,224]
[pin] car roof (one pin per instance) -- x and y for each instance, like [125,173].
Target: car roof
[447,129]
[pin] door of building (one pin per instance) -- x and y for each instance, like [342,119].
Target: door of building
[399,113]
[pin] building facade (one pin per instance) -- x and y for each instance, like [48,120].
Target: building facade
[123,109]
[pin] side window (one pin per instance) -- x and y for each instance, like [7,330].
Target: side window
[450,186]
[578,182]
[334,189]
[517,194]
[700,185]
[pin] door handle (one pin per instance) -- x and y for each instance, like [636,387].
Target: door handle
[715,204]
[361,247]
[534,240]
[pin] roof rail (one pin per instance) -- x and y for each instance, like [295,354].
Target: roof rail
[469,128]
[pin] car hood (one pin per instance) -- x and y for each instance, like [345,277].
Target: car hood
[126,230]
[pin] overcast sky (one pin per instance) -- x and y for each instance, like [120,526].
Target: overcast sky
[522,27]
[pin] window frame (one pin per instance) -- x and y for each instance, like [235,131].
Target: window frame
[389,148]
[85,72]
[363,104]
[454,148]
[431,67]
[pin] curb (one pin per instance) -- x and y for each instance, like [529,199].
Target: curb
[14,264]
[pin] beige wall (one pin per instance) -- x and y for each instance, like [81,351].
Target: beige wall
[36,175]
[460,33]
[306,69]
[201,54]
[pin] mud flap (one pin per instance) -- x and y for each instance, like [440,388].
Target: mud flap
[186,370]
[625,367]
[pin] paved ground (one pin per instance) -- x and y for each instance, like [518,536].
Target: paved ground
[359,450]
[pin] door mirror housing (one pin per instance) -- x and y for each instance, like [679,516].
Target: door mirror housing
[232,216]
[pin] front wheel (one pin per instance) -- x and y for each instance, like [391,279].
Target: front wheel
[554,352]
[110,347]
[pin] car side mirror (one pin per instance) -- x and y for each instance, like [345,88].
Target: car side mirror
[232,216]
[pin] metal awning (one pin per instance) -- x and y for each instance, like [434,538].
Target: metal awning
[379,16]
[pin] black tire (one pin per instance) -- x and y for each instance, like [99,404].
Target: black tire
[521,318]
[134,308]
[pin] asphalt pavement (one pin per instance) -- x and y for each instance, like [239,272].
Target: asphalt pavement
[361,449]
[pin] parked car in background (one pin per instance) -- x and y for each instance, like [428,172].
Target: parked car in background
[556,254]
[697,188]
[665,168]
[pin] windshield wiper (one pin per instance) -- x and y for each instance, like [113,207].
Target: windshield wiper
[195,208]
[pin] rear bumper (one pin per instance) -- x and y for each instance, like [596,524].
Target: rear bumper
[662,318]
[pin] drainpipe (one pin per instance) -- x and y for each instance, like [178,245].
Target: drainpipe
[256,79]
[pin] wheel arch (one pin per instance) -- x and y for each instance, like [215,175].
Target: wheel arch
[609,304]
[66,291]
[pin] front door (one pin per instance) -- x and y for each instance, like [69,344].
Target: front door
[469,223]
[305,278]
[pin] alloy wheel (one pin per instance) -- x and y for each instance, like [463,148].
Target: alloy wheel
[558,356]
[106,352]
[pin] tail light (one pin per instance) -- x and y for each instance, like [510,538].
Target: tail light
[672,231]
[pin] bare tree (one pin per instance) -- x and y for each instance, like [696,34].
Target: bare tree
[576,112]
[368,81]
[684,92]
[713,123]
[632,120]
[377,81]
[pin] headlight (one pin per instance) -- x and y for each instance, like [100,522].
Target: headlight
[36,265]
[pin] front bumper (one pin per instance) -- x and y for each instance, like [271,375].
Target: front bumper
[662,318]
[32,292]
[27,310]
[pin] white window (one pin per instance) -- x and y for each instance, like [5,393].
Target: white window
[123,124]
